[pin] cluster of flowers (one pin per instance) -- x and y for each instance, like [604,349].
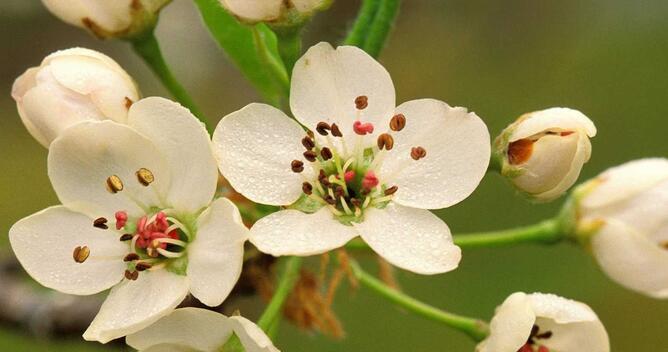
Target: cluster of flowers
[137,180]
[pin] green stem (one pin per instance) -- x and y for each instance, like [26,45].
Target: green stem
[381,26]
[357,34]
[148,48]
[276,68]
[288,278]
[475,328]
[289,46]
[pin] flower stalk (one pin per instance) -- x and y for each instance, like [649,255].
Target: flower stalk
[287,281]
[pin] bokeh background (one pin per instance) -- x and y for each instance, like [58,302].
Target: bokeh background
[606,58]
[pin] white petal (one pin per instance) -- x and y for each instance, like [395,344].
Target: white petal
[195,328]
[631,259]
[82,159]
[252,337]
[458,151]
[511,325]
[185,145]
[70,11]
[255,147]
[560,118]
[216,255]
[111,15]
[307,6]
[292,232]
[265,10]
[325,83]
[166,347]
[412,239]
[134,305]
[44,243]
[626,180]
[78,51]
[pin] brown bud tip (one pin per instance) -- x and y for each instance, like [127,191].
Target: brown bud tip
[356,202]
[114,184]
[385,141]
[131,257]
[141,266]
[330,200]
[145,176]
[323,128]
[310,155]
[308,143]
[131,275]
[392,190]
[336,131]
[338,191]
[128,102]
[398,122]
[80,254]
[361,102]
[297,166]
[520,151]
[307,188]
[126,237]
[326,153]
[418,153]
[100,223]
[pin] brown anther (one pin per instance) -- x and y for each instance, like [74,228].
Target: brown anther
[326,153]
[330,200]
[128,102]
[664,244]
[392,190]
[114,184]
[361,102]
[145,176]
[100,223]
[418,153]
[520,151]
[398,122]
[356,202]
[126,237]
[338,191]
[336,131]
[131,275]
[297,166]
[80,254]
[152,252]
[385,141]
[141,266]
[365,191]
[308,143]
[131,257]
[322,177]
[323,128]
[310,155]
[307,188]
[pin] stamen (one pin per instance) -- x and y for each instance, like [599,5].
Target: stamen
[145,176]
[323,128]
[344,204]
[307,188]
[172,241]
[131,257]
[100,223]
[336,131]
[326,153]
[131,275]
[322,177]
[114,184]
[392,190]
[121,219]
[126,237]
[361,102]
[308,143]
[370,180]
[169,254]
[330,200]
[418,153]
[348,163]
[398,122]
[80,254]
[382,200]
[310,155]
[349,175]
[297,166]
[141,266]
[355,202]
[133,244]
[362,128]
[385,141]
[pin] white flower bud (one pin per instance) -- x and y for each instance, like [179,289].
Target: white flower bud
[108,18]
[72,86]
[253,11]
[623,217]
[543,152]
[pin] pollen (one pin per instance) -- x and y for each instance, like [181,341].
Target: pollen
[418,153]
[385,141]
[361,102]
[297,166]
[80,254]
[336,131]
[131,257]
[131,275]
[114,184]
[362,128]
[323,128]
[145,176]
[398,122]
[100,223]
[520,151]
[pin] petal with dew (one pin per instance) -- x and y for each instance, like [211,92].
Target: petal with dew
[564,119]
[251,336]
[511,325]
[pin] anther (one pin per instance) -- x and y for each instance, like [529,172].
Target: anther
[385,141]
[361,102]
[339,192]
[114,184]
[356,202]
[307,188]
[520,151]
[362,128]
[322,177]
[126,237]
[349,175]
[80,254]
[323,128]
[152,252]
[131,275]
[336,131]
[369,181]
[144,176]
[418,153]
[392,190]
[131,257]
[310,155]
[297,166]
[308,143]
[398,122]
[326,153]
[141,266]
[100,223]
[330,200]
[121,219]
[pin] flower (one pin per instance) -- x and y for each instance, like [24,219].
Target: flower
[253,11]
[71,86]
[541,322]
[188,329]
[543,152]
[623,216]
[364,167]
[108,19]
[137,214]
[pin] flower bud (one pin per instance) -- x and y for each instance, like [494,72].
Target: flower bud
[622,215]
[108,19]
[543,152]
[71,86]
[274,11]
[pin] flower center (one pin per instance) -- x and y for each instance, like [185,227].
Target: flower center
[346,170]
[532,344]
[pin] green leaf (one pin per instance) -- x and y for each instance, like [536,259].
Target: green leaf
[252,49]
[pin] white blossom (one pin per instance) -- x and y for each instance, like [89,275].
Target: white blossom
[541,322]
[136,215]
[543,152]
[365,167]
[253,11]
[71,86]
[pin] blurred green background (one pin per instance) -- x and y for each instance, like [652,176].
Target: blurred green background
[606,58]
